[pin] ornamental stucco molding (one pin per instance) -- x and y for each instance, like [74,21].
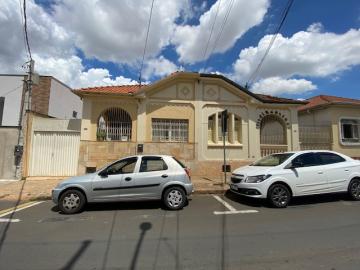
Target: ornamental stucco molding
[280,114]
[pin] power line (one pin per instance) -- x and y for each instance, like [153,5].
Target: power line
[25,29]
[221,30]
[285,12]
[8,92]
[23,24]
[211,31]
[146,40]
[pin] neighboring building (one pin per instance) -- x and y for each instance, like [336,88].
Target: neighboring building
[330,122]
[50,98]
[180,115]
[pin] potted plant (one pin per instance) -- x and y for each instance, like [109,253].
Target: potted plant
[101,135]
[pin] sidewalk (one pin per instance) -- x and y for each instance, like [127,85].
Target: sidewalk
[40,188]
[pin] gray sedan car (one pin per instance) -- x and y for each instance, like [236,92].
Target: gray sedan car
[150,177]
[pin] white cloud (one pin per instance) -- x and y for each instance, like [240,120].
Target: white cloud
[190,40]
[306,53]
[315,27]
[71,71]
[112,30]
[52,48]
[45,36]
[278,86]
[159,67]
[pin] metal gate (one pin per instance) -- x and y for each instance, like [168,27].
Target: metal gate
[54,153]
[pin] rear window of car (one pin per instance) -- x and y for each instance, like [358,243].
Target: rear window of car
[151,164]
[330,158]
[179,162]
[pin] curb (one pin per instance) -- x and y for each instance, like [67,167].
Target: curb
[209,191]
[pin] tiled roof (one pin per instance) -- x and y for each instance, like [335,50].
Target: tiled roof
[120,89]
[272,99]
[323,100]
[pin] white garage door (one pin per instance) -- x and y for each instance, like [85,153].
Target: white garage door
[54,153]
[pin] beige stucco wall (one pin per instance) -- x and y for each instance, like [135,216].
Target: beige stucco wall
[94,106]
[336,114]
[186,97]
[331,116]
[184,111]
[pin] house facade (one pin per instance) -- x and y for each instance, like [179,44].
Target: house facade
[50,98]
[180,115]
[331,122]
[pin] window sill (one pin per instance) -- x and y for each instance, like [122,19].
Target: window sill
[227,144]
[350,143]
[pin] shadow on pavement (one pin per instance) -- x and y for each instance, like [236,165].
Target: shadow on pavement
[144,227]
[110,206]
[7,226]
[70,264]
[295,202]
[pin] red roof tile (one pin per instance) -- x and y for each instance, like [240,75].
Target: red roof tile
[120,89]
[323,100]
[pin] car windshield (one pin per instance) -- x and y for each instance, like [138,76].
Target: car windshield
[272,160]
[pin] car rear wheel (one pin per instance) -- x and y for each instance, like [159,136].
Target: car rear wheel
[279,196]
[354,189]
[71,201]
[174,198]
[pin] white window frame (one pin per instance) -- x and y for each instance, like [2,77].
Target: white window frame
[183,135]
[341,131]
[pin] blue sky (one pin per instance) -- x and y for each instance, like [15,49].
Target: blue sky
[93,42]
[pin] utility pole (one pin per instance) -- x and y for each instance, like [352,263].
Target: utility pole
[25,106]
[224,127]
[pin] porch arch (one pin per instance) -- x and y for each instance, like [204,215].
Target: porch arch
[114,124]
[273,135]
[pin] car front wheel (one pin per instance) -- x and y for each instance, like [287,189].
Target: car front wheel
[354,189]
[71,201]
[174,198]
[279,196]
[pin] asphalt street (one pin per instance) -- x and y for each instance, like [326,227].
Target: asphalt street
[313,233]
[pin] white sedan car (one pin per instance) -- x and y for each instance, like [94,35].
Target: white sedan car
[279,177]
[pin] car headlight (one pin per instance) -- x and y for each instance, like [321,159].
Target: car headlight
[257,178]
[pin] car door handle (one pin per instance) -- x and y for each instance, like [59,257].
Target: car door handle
[127,178]
[320,172]
[164,176]
[346,170]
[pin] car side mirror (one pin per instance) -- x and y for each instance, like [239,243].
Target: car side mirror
[294,165]
[103,173]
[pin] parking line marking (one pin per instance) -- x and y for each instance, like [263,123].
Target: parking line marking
[232,209]
[228,206]
[18,208]
[235,212]
[7,220]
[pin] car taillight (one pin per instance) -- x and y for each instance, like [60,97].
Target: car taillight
[187,170]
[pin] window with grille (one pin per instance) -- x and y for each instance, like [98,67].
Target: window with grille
[350,130]
[114,125]
[272,130]
[170,130]
[234,129]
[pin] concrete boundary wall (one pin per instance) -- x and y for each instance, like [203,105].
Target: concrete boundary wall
[8,140]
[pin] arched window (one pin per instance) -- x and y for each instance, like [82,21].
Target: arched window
[272,130]
[114,124]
